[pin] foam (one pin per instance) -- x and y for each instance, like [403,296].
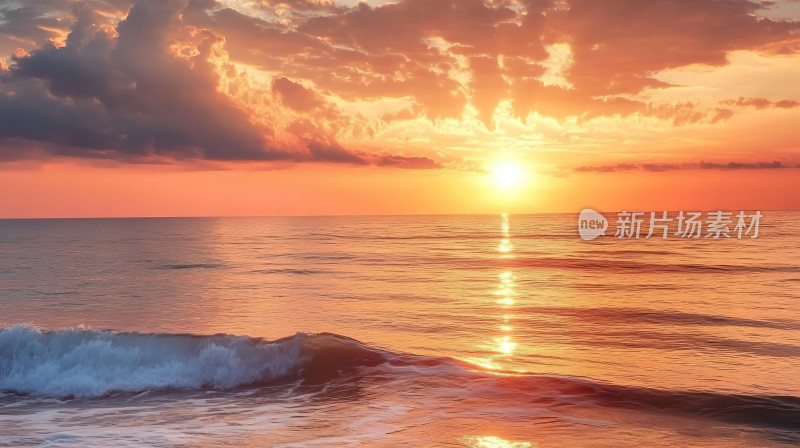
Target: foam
[92,363]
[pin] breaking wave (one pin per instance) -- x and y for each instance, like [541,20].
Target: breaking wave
[93,363]
[85,363]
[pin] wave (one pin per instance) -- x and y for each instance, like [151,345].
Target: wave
[92,363]
[756,410]
[84,363]
[621,315]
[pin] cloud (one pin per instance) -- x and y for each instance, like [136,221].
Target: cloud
[268,80]
[761,103]
[660,167]
[121,96]
[423,163]
[333,153]
[618,44]
[296,7]
[412,47]
[295,96]
[31,23]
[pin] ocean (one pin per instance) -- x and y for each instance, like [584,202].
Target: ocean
[492,331]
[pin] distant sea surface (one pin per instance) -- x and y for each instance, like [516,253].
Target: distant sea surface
[459,331]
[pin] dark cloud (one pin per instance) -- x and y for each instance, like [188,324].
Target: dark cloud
[743,166]
[31,22]
[28,24]
[295,96]
[417,163]
[128,95]
[333,153]
[120,89]
[659,167]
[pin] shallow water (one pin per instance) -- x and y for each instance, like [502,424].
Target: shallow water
[482,331]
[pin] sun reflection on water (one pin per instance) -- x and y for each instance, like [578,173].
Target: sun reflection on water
[494,442]
[500,343]
[504,345]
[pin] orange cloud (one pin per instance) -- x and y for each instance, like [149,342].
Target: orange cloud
[412,83]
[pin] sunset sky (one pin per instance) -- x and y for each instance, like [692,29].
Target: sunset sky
[308,107]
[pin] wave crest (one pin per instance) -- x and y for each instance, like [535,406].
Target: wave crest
[91,363]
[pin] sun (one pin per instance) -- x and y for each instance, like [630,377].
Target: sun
[508,174]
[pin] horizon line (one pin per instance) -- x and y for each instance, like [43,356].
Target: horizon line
[32,218]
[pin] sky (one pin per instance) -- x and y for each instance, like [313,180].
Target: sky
[317,107]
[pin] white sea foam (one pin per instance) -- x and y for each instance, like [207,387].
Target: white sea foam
[91,363]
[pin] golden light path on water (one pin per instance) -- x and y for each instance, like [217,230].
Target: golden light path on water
[502,345]
[494,442]
[505,345]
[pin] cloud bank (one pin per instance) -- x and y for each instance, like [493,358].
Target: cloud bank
[659,167]
[171,80]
